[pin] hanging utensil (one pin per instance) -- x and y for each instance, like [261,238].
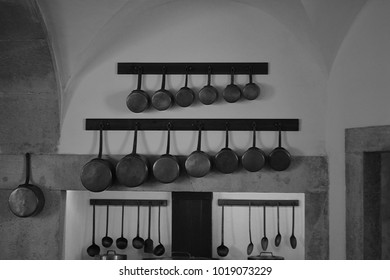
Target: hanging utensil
[159,250]
[208,94]
[148,248]
[249,249]
[254,158]
[94,249]
[185,96]
[138,242]
[279,159]
[132,170]
[162,99]
[232,92]
[198,163]
[222,250]
[264,240]
[97,174]
[27,199]
[106,240]
[251,90]
[293,239]
[138,100]
[166,169]
[226,160]
[278,237]
[121,242]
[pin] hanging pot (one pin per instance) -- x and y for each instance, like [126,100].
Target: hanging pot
[198,163]
[226,160]
[232,92]
[265,256]
[251,90]
[254,158]
[166,169]
[132,170]
[97,174]
[138,100]
[185,96]
[208,94]
[279,159]
[111,255]
[27,199]
[162,99]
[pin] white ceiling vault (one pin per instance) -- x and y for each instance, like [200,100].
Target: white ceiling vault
[84,32]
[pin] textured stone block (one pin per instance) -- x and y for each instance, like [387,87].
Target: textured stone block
[26,67]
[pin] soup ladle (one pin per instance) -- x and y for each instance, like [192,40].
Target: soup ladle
[222,250]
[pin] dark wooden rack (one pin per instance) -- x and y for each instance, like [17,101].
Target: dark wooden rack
[194,68]
[193,124]
[129,202]
[247,202]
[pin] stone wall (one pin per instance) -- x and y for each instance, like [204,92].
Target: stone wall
[29,122]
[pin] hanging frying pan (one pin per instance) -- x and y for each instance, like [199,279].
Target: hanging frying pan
[132,170]
[138,100]
[279,159]
[254,158]
[185,96]
[232,92]
[27,199]
[162,99]
[97,174]
[198,163]
[166,169]
[251,90]
[226,160]
[208,94]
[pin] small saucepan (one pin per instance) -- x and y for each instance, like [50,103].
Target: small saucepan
[166,169]
[111,255]
[162,99]
[198,163]
[226,160]
[208,94]
[251,90]
[232,92]
[254,158]
[132,170]
[27,199]
[279,159]
[138,100]
[185,96]
[97,174]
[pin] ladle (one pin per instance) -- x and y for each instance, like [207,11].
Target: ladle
[293,239]
[264,240]
[148,248]
[94,249]
[121,242]
[278,237]
[159,250]
[138,242]
[222,250]
[106,240]
[249,249]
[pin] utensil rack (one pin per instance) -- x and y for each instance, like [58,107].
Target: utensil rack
[201,68]
[247,202]
[193,124]
[129,202]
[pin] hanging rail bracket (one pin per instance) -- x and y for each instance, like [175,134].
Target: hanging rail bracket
[194,68]
[193,124]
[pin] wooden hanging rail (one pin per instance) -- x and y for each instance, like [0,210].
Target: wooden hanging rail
[255,202]
[193,124]
[194,68]
[129,202]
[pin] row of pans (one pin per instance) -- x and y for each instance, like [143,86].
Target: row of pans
[138,100]
[133,169]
